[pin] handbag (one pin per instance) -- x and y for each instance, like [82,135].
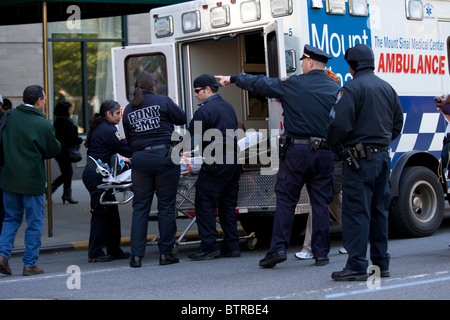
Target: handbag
[75,154]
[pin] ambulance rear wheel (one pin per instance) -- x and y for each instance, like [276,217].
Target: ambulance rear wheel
[419,208]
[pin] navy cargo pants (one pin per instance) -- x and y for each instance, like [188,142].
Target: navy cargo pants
[366,199]
[219,191]
[315,170]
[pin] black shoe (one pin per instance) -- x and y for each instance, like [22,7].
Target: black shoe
[121,256]
[322,261]
[68,199]
[229,254]
[167,258]
[136,262]
[349,275]
[204,255]
[104,258]
[272,258]
[385,273]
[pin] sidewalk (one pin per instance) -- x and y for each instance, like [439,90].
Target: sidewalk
[71,223]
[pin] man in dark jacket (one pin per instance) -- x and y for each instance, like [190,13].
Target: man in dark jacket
[217,185]
[307,100]
[366,118]
[28,139]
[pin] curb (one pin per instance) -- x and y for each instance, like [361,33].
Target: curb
[125,241]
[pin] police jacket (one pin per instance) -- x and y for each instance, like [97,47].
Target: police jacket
[367,111]
[153,123]
[215,113]
[306,99]
[106,141]
[28,139]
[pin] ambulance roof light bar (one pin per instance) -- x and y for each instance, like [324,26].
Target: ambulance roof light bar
[191,21]
[358,8]
[414,9]
[281,8]
[250,11]
[316,4]
[163,26]
[335,7]
[220,16]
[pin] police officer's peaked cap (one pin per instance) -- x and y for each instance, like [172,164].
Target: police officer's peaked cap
[206,80]
[315,54]
[360,57]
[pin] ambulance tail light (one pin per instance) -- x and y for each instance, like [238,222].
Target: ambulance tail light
[191,21]
[163,26]
[220,16]
[358,8]
[281,8]
[414,9]
[316,4]
[250,11]
[335,7]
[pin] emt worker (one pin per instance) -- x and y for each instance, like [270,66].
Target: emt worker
[217,186]
[149,121]
[102,142]
[306,100]
[366,118]
[28,140]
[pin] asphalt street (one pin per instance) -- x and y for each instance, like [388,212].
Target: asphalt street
[420,270]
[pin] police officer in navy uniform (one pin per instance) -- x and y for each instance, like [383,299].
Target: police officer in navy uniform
[306,100]
[217,186]
[102,142]
[366,118]
[148,122]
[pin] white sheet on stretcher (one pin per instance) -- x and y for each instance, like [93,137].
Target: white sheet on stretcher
[187,165]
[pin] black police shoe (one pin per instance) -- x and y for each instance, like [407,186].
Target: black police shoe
[322,261]
[204,255]
[349,275]
[167,258]
[135,262]
[272,258]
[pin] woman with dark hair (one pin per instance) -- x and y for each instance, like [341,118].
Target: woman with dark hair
[67,134]
[102,142]
[148,123]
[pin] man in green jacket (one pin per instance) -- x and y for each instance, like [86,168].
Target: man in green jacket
[28,139]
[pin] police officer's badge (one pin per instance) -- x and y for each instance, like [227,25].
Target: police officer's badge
[118,135]
[339,96]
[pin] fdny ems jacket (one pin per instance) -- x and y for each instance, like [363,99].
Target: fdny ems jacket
[153,123]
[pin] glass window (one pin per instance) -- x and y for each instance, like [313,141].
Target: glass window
[153,63]
[81,65]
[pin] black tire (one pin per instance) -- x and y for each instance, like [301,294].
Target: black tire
[419,208]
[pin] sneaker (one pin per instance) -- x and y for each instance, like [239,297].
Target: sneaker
[342,251]
[303,255]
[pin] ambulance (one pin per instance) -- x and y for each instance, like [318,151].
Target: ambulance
[411,42]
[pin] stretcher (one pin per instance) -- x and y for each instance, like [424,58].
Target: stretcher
[119,184]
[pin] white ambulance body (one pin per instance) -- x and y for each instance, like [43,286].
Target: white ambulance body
[410,39]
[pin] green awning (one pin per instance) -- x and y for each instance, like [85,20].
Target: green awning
[30,11]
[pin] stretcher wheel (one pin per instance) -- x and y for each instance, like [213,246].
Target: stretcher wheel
[250,244]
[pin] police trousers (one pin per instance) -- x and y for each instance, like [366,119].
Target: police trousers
[365,209]
[105,228]
[217,191]
[153,172]
[315,170]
